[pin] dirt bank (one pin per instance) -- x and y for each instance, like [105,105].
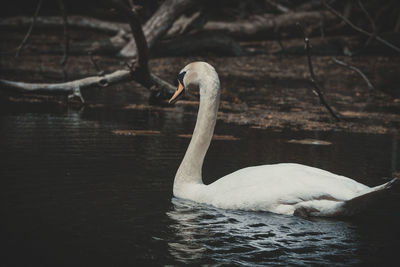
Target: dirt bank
[261,90]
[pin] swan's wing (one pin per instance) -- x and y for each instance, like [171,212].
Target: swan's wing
[287,184]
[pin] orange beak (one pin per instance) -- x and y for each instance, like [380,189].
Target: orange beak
[177,93]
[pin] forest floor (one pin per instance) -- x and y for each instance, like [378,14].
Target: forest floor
[261,89]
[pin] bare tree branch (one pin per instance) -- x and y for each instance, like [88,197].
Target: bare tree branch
[139,67]
[66,34]
[355,27]
[142,56]
[30,28]
[346,65]
[318,90]
[371,21]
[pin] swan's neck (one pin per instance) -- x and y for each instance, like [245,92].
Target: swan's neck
[189,171]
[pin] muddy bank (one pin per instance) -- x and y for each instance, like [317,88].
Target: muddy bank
[262,90]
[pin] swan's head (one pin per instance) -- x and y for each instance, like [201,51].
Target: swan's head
[192,76]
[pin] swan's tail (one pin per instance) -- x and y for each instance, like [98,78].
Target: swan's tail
[360,203]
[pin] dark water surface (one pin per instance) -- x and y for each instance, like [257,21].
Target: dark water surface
[72,193]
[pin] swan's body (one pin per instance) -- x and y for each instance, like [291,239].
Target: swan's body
[285,188]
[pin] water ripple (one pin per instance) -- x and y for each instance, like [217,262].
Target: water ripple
[204,234]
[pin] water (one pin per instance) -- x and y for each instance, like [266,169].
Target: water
[73,194]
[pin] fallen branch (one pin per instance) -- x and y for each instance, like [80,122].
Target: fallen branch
[260,25]
[317,87]
[355,27]
[86,23]
[30,28]
[158,25]
[72,88]
[162,22]
[69,88]
[344,64]
[138,70]
[186,23]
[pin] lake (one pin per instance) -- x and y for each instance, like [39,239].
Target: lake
[73,193]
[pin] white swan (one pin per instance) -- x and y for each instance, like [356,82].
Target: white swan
[284,188]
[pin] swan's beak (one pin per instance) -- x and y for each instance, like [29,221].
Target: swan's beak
[177,94]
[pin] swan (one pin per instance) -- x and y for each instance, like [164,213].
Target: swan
[284,188]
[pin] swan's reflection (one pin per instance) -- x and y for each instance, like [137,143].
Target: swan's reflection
[203,234]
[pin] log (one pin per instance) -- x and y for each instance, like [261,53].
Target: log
[185,24]
[82,22]
[261,26]
[198,43]
[158,25]
[72,88]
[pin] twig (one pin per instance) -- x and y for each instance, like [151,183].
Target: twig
[317,88]
[94,63]
[397,25]
[134,7]
[346,13]
[346,65]
[321,27]
[371,21]
[383,8]
[30,28]
[66,34]
[131,4]
[355,27]
[277,33]
[278,6]
[77,92]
